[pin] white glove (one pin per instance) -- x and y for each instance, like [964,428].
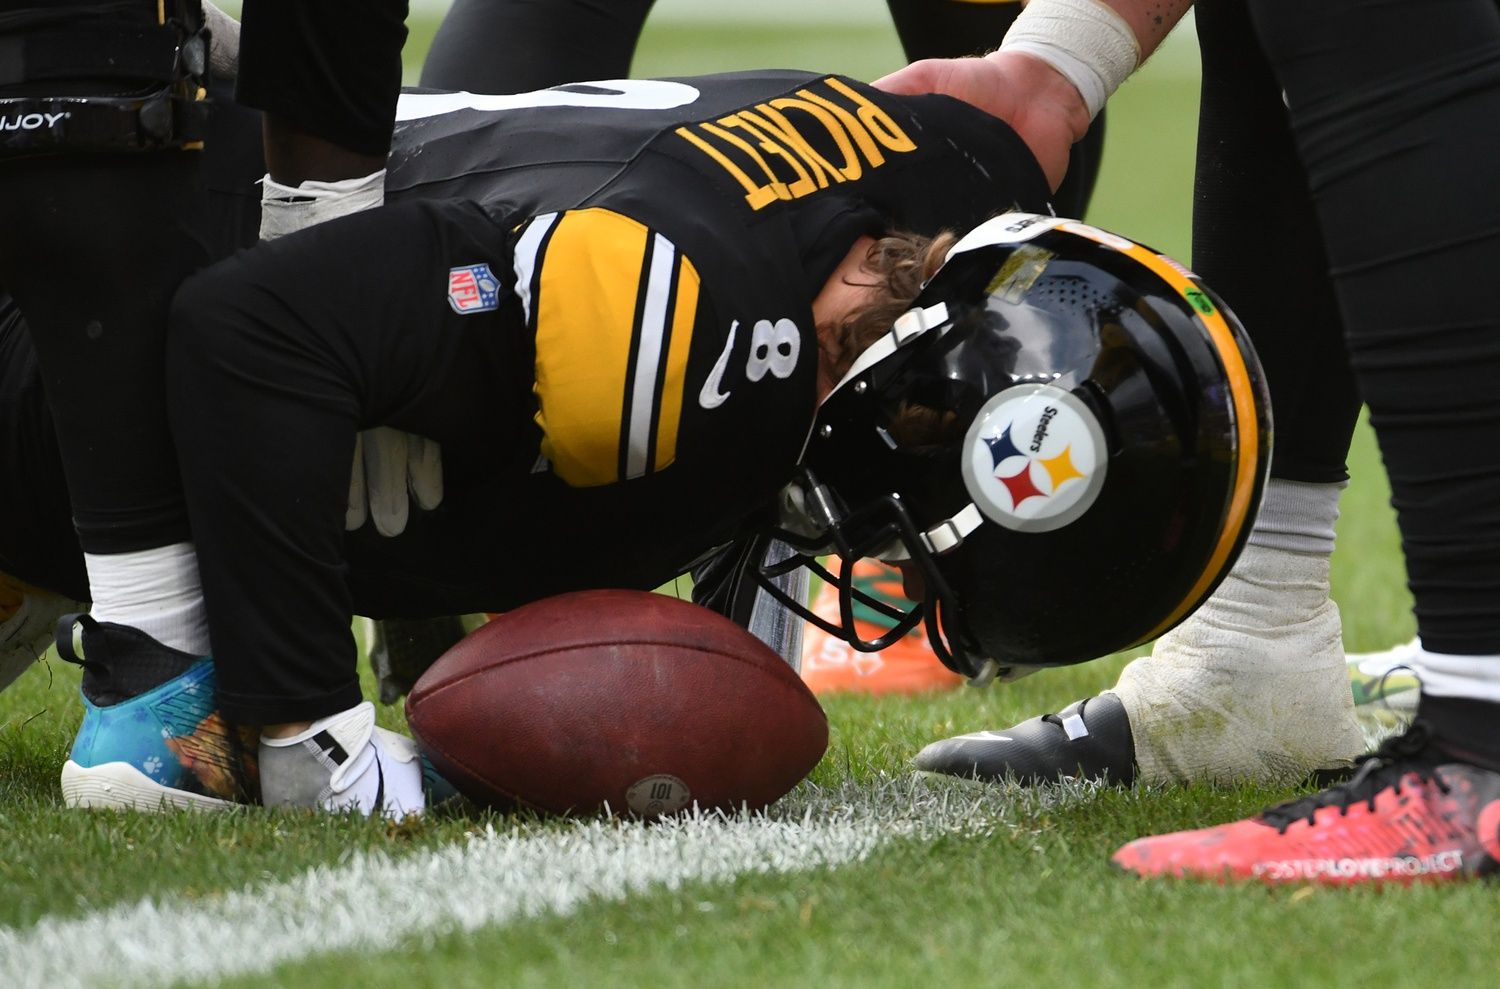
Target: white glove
[387,465]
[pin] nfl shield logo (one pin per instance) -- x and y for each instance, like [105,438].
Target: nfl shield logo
[473,288]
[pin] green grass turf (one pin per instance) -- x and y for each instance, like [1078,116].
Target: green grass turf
[1034,901]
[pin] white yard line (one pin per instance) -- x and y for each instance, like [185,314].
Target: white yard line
[373,903]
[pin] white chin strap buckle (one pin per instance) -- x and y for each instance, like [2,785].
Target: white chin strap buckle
[945,537]
[950,534]
[907,327]
[915,322]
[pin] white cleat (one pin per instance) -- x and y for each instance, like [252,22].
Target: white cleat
[1385,685]
[341,763]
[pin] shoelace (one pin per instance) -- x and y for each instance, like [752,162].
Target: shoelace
[1385,699]
[1386,767]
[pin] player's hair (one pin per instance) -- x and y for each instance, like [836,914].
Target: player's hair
[900,263]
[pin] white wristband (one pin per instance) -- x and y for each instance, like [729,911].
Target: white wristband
[1085,40]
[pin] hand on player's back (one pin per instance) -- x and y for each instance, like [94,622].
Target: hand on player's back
[1043,107]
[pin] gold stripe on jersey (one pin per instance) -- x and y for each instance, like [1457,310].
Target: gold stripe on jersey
[613,313]
[769,149]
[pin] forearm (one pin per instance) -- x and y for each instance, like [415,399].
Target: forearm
[1150,20]
[1058,64]
[1073,54]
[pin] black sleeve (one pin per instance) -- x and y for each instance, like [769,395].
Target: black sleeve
[545,44]
[332,69]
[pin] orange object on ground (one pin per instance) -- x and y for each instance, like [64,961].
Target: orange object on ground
[909,666]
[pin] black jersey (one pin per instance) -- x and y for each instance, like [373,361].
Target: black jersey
[668,238]
[655,254]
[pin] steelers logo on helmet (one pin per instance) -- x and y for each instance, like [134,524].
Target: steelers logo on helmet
[1034,458]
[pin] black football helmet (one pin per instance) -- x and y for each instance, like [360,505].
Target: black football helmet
[1067,437]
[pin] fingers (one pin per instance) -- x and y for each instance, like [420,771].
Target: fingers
[914,79]
[385,478]
[425,471]
[355,513]
[391,469]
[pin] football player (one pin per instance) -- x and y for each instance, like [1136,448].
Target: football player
[561,40]
[102,198]
[108,202]
[738,196]
[617,306]
[1313,114]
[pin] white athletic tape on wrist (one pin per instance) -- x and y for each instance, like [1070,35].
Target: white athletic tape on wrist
[285,209]
[1085,40]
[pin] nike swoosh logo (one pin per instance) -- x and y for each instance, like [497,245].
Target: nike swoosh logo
[1364,691]
[987,736]
[1369,689]
[711,397]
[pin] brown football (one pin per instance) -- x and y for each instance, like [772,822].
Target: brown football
[637,702]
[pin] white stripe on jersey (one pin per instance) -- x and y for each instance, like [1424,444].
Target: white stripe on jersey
[609,94]
[525,260]
[654,316]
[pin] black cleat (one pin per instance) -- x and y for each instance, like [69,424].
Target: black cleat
[1089,739]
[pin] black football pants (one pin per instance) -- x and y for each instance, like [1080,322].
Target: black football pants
[1257,241]
[277,357]
[1382,159]
[1395,111]
[37,541]
[92,246]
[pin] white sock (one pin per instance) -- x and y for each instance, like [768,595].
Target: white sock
[154,590]
[284,209]
[343,762]
[1449,675]
[1252,686]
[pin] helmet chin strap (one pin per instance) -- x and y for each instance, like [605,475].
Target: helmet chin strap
[947,535]
[907,327]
